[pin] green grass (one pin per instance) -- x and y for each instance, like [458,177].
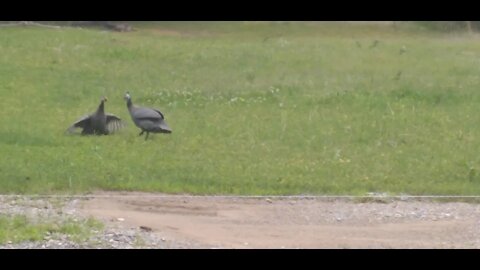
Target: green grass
[19,228]
[255,108]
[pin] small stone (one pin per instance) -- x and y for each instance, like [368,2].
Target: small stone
[120,219]
[145,228]
[9,242]
[163,239]
[246,244]
[268,200]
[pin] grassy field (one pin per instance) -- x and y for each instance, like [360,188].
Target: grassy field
[255,108]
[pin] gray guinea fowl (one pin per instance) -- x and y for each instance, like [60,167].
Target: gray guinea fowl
[98,123]
[147,119]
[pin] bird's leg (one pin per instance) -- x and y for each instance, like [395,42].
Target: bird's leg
[146,137]
[141,133]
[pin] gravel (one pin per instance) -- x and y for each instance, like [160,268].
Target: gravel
[62,209]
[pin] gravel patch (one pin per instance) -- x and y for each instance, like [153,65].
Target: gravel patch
[59,210]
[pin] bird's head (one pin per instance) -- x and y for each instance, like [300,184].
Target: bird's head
[127,96]
[104,99]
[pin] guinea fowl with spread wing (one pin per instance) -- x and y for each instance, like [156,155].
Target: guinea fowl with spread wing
[98,123]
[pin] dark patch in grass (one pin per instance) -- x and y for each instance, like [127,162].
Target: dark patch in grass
[438,97]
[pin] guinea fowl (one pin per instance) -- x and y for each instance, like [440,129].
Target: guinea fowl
[98,123]
[148,120]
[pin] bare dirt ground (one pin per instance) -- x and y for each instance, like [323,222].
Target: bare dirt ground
[220,222]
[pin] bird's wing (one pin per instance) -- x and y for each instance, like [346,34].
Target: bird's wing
[80,123]
[161,114]
[114,123]
[159,119]
[142,113]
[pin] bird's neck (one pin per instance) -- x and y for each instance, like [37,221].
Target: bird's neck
[129,103]
[101,107]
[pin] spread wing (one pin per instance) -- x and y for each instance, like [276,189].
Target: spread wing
[83,122]
[114,123]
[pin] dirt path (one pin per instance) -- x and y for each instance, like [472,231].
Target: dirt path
[286,223]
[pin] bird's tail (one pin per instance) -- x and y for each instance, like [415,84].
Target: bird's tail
[164,127]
